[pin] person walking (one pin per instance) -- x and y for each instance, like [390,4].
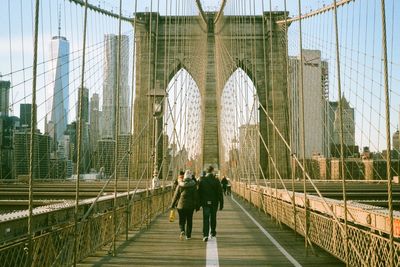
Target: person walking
[186,200]
[224,183]
[210,194]
[177,180]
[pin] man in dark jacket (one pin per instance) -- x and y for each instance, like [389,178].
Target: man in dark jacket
[224,184]
[210,194]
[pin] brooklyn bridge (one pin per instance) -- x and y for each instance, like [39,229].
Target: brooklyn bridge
[103,103]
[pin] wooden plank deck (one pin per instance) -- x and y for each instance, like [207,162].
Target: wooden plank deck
[239,242]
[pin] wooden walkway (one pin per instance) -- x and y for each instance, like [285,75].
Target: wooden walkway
[239,242]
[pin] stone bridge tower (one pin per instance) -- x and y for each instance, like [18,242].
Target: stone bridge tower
[205,46]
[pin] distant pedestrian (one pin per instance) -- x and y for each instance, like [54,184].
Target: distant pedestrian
[210,193]
[229,188]
[186,200]
[224,184]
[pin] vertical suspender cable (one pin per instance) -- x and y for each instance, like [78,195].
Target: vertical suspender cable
[271,34]
[342,165]
[79,137]
[274,139]
[254,93]
[302,127]
[32,141]
[156,138]
[289,94]
[117,127]
[387,111]
[128,210]
[266,95]
[150,105]
[166,80]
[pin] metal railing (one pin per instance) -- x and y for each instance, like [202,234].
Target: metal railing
[53,246]
[369,246]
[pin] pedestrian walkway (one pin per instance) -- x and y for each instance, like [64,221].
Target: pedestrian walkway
[243,239]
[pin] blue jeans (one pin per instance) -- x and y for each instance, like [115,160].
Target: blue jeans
[209,217]
[186,221]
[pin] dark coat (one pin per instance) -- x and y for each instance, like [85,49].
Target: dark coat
[210,191]
[186,195]
[224,182]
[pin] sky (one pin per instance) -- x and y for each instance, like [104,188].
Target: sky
[359,35]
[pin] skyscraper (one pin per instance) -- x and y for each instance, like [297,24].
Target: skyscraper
[94,129]
[85,154]
[350,147]
[110,85]
[315,86]
[41,154]
[4,97]
[348,124]
[25,111]
[58,105]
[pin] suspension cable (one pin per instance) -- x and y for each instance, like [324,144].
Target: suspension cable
[388,146]
[302,124]
[117,115]
[131,128]
[342,171]
[79,137]
[33,133]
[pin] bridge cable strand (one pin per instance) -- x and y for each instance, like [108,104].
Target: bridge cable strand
[79,136]
[290,117]
[342,172]
[117,112]
[302,123]
[388,146]
[33,131]
[131,121]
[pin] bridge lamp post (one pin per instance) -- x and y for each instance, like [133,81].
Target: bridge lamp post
[157,96]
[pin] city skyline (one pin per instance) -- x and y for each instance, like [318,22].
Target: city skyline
[21,87]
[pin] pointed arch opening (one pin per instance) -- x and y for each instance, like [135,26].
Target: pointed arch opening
[239,125]
[183,124]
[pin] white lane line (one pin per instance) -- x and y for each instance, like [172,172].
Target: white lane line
[212,253]
[269,236]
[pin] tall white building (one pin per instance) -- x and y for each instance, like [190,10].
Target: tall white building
[57,104]
[315,91]
[110,86]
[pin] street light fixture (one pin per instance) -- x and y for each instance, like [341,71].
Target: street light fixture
[157,96]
